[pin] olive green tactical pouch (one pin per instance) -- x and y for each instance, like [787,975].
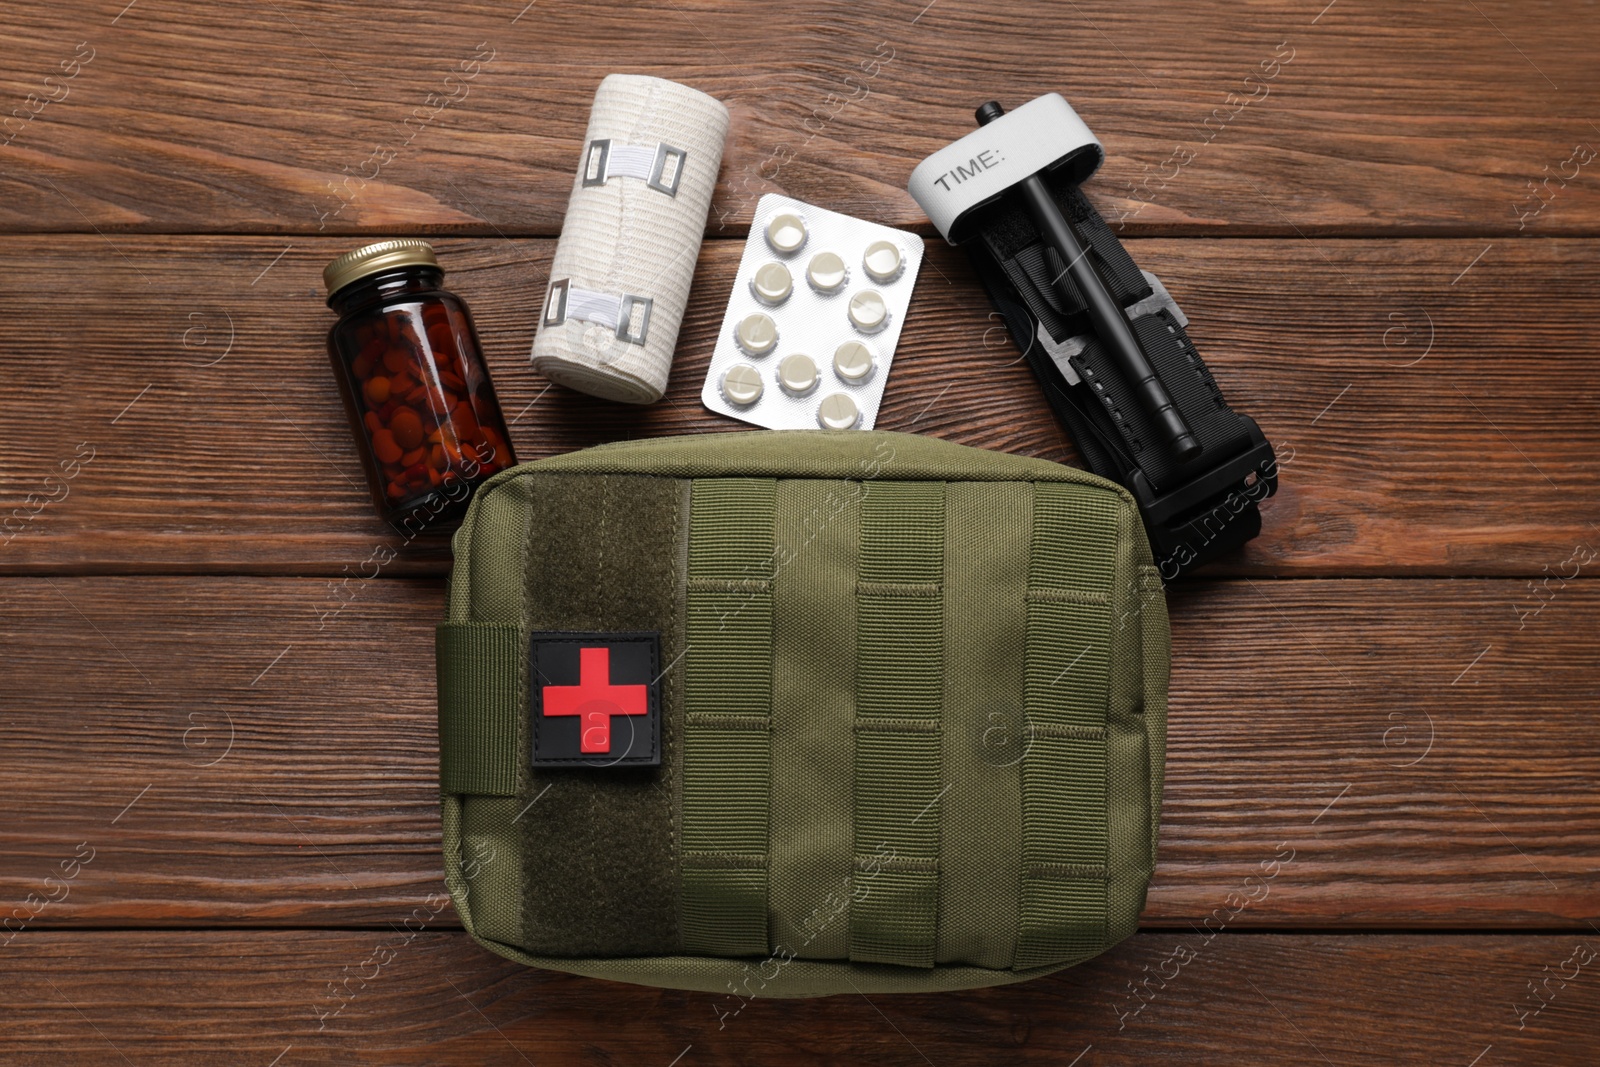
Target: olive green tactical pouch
[803,712]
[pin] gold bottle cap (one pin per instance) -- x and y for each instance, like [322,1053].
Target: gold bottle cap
[368,260]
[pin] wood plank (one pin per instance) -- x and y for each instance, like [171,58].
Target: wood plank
[391,996]
[1412,441]
[1268,118]
[261,751]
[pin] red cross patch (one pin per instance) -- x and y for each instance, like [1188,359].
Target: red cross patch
[595,699]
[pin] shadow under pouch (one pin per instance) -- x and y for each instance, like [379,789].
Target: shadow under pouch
[798,713]
[1106,341]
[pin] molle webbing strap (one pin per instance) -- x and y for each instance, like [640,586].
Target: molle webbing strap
[1064,818]
[478,667]
[727,696]
[899,687]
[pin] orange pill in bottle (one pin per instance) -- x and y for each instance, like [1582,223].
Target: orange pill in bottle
[412,376]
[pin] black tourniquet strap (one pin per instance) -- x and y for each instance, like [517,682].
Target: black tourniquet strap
[1193,511]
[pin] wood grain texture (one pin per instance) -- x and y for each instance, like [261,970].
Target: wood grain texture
[389,996]
[1428,421]
[262,751]
[1381,827]
[297,117]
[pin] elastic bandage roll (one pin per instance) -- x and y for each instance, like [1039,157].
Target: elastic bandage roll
[620,280]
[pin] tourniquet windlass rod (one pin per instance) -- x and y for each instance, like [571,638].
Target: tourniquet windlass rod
[1110,323]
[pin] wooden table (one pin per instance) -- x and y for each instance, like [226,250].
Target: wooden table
[217,707]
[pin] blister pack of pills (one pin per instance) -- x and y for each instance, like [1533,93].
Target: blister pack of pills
[813,320]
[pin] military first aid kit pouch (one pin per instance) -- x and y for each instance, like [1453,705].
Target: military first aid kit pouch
[801,712]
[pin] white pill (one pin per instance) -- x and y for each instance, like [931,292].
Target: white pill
[827,272]
[772,283]
[786,233]
[883,262]
[868,311]
[837,412]
[853,362]
[757,334]
[741,385]
[797,374]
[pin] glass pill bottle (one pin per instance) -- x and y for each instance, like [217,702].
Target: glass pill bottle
[414,383]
